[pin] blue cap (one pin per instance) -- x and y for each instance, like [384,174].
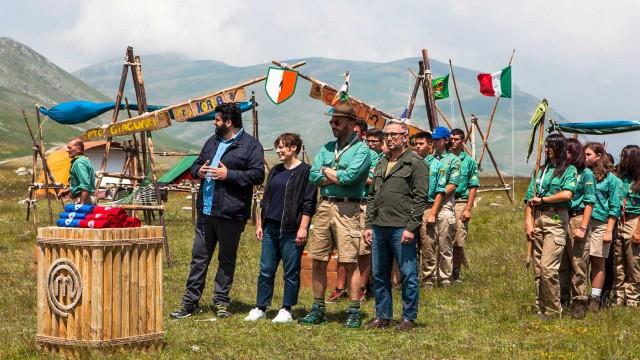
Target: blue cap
[441,132]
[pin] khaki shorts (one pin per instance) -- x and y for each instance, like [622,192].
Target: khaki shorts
[336,226]
[365,249]
[597,247]
[462,227]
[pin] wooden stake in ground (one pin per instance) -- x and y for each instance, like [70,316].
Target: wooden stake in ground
[427,89]
[535,178]
[455,89]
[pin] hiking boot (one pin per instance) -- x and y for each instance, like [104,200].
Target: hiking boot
[594,304]
[579,309]
[353,319]
[186,311]
[222,311]
[428,286]
[543,316]
[405,325]
[314,317]
[336,295]
[377,323]
[456,277]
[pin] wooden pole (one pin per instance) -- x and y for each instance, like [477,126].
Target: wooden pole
[254,115]
[466,149]
[535,179]
[34,158]
[493,161]
[455,88]
[44,166]
[493,112]
[427,89]
[414,93]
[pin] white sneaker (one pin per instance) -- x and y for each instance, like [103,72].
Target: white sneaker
[254,315]
[283,317]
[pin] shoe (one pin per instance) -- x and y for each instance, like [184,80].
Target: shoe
[543,316]
[405,325]
[283,316]
[222,311]
[455,276]
[254,315]
[186,311]
[428,286]
[377,323]
[445,284]
[594,304]
[336,295]
[579,309]
[363,294]
[353,319]
[314,317]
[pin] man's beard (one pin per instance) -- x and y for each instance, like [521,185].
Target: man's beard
[222,130]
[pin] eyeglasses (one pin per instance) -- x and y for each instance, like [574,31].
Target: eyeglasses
[394,135]
[373,141]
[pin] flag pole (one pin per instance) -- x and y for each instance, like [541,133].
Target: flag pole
[455,88]
[493,112]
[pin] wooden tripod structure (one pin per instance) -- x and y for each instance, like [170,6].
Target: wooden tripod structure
[140,155]
[49,183]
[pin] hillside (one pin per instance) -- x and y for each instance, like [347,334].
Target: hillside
[172,78]
[28,78]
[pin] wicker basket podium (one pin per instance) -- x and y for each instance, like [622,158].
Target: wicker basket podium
[99,288]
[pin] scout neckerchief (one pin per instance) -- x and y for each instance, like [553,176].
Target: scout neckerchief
[337,154]
[544,172]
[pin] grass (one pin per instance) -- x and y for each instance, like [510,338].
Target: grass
[489,315]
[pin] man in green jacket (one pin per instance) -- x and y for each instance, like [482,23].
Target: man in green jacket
[395,205]
[82,177]
[340,170]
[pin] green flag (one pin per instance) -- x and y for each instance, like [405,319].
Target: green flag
[440,87]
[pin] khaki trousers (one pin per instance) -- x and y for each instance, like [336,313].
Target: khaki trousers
[574,268]
[437,249]
[428,241]
[550,231]
[462,227]
[627,260]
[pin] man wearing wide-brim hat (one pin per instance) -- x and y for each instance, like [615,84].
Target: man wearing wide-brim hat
[340,170]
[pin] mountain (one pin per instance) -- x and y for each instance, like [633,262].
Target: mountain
[28,78]
[173,78]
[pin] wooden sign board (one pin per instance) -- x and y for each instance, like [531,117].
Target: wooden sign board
[206,105]
[145,122]
[363,111]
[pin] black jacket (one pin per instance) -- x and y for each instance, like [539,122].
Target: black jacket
[300,197]
[244,160]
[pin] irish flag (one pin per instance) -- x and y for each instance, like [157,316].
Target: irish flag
[496,84]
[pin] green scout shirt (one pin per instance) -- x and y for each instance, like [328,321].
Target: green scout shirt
[352,168]
[81,176]
[607,200]
[469,177]
[398,197]
[546,184]
[630,199]
[450,167]
[437,183]
[585,190]
[374,161]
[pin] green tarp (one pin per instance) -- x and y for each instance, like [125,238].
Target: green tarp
[176,171]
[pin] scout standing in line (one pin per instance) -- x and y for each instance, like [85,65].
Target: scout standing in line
[446,217]
[627,248]
[340,170]
[575,261]
[606,211]
[437,184]
[465,196]
[547,201]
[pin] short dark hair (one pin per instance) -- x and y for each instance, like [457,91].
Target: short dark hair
[230,111]
[362,125]
[375,132]
[289,140]
[457,131]
[79,142]
[422,135]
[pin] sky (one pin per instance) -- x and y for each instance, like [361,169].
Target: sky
[581,56]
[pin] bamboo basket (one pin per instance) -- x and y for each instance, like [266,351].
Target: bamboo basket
[99,288]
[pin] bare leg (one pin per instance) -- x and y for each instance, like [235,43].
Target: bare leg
[319,278]
[354,284]
[597,272]
[364,267]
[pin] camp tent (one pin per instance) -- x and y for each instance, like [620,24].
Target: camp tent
[59,163]
[179,172]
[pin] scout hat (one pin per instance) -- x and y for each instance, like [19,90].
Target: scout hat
[441,132]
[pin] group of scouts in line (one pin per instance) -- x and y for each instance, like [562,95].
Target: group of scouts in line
[577,206]
[380,204]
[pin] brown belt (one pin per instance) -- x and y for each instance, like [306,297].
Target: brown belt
[550,208]
[339,199]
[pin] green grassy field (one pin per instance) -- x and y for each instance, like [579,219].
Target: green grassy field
[489,315]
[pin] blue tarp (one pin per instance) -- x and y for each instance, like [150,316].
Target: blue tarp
[79,111]
[605,127]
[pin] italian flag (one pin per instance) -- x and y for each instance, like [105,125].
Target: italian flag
[496,84]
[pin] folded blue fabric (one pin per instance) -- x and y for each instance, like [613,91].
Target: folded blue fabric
[68,222]
[73,215]
[79,208]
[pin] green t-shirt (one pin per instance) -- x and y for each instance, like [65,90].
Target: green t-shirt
[374,161]
[607,200]
[437,182]
[585,190]
[352,166]
[469,177]
[546,184]
[450,167]
[630,199]
[81,176]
